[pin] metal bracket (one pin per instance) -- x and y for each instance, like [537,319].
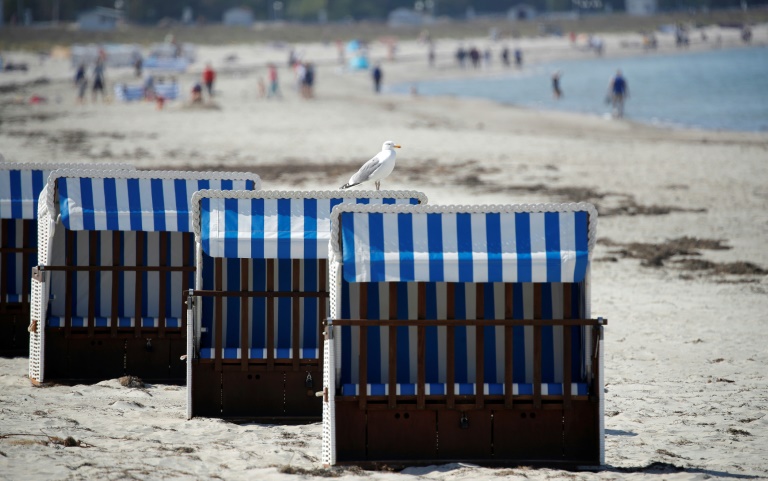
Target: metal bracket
[37,273]
[464,421]
[309,382]
[148,347]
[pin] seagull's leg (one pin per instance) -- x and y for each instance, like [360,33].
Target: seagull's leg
[378,184]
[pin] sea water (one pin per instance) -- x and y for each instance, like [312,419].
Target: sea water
[717,90]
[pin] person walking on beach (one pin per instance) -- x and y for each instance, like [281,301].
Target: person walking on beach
[81,83]
[209,76]
[556,92]
[518,58]
[98,80]
[618,91]
[505,56]
[377,76]
[274,87]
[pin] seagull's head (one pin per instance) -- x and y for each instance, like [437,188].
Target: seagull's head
[389,145]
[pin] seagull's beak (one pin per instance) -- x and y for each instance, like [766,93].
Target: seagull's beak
[397,146]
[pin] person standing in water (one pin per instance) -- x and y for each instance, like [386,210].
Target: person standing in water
[618,90]
[556,92]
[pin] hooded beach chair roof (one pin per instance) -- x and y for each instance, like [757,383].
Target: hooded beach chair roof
[21,184]
[137,201]
[277,224]
[516,243]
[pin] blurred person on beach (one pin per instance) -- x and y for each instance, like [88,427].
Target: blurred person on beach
[262,87]
[309,80]
[474,56]
[518,58]
[431,54]
[556,92]
[487,54]
[618,92]
[274,87]
[209,76]
[138,64]
[98,80]
[461,56]
[300,70]
[197,93]
[505,56]
[81,83]
[377,75]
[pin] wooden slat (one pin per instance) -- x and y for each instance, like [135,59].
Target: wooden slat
[468,322]
[115,281]
[450,346]
[218,317]
[186,252]
[93,240]
[140,242]
[537,346]
[244,315]
[296,312]
[68,260]
[393,345]
[5,253]
[567,367]
[422,347]
[265,294]
[509,363]
[567,352]
[164,240]
[363,348]
[270,315]
[479,347]
[322,287]
[25,267]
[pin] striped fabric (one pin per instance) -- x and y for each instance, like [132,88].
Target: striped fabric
[418,245]
[12,274]
[19,190]
[133,204]
[274,228]
[100,246]
[129,93]
[21,184]
[122,322]
[465,389]
[555,301]
[282,281]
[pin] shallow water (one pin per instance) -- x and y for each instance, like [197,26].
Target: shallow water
[717,90]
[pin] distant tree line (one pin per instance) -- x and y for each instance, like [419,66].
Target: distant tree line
[152,11]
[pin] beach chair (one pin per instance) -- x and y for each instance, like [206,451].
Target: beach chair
[462,334]
[20,187]
[116,253]
[260,300]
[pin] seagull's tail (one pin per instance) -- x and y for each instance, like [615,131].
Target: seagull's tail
[348,185]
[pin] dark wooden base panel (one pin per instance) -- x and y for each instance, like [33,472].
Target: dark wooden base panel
[14,337]
[492,435]
[256,392]
[91,359]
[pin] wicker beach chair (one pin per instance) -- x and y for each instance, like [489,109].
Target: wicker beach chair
[115,256]
[462,334]
[20,187]
[255,348]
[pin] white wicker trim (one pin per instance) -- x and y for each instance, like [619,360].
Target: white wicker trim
[57,166]
[40,292]
[470,209]
[294,194]
[190,342]
[143,174]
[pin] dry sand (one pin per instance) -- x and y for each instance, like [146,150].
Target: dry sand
[679,269]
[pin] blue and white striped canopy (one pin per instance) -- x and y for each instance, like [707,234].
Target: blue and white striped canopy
[153,201]
[21,184]
[280,225]
[543,243]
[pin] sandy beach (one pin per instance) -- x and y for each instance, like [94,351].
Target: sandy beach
[680,268]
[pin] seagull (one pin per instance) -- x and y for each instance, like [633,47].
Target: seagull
[377,168]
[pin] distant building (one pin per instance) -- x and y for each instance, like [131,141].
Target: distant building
[402,17]
[99,19]
[641,7]
[521,12]
[242,17]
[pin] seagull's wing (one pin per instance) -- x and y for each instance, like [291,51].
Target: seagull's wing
[365,172]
